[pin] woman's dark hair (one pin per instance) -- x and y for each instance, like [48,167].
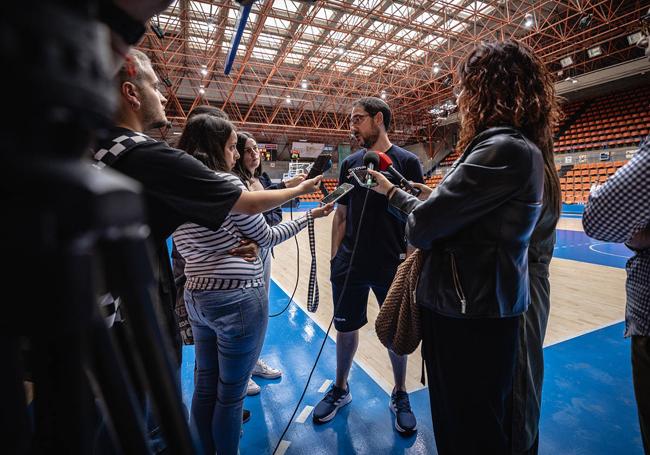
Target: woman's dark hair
[505,83]
[205,137]
[244,174]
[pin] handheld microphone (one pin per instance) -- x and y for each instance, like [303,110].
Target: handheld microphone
[386,164]
[371,161]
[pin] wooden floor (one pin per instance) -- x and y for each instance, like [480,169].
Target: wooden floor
[584,297]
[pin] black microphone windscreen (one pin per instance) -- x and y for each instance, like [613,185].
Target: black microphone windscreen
[371,158]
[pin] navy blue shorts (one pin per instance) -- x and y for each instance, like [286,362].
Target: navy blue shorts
[351,312]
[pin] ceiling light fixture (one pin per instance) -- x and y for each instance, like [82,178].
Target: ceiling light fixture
[304,84]
[529,20]
[436,68]
[566,61]
[383,94]
[287,99]
[595,51]
[634,38]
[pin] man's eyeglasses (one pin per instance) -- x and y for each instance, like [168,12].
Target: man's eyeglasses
[358,118]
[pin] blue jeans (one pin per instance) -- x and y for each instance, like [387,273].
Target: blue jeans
[229,328]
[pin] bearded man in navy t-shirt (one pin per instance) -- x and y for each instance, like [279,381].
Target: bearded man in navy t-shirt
[380,249]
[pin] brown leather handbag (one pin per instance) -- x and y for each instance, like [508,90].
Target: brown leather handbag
[398,323]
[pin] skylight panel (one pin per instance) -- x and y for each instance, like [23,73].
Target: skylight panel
[381,28]
[325,51]
[454,25]
[342,66]
[278,24]
[352,56]
[417,54]
[366,4]
[427,19]
[325,14]
[286,5]
[365,70]
[264,54]
[406,35]
[351,21]
[399,10]
[267,40]
[294,59]
[205,8]
[316,62]
[433,41]
[367,42]
[338,36]
[313,32]
[401,65]
[377,61]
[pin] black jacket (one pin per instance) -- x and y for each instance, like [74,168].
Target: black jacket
[476,227]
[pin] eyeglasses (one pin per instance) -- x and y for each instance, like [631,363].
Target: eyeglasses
[252,150]
[358,118]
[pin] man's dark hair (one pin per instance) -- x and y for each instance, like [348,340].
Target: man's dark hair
[205,137]
[207,109]
[373,105]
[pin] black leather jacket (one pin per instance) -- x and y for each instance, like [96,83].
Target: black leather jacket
[476,226]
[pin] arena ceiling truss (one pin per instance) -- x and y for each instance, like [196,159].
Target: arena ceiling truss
[301,64]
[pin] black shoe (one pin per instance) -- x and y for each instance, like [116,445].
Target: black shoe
[246,416]
[405,422]
[326,409]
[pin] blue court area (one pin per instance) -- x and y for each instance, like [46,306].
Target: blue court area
[577,246]
[588,403]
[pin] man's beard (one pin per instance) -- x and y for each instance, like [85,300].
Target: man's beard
[152,120]
[371,139]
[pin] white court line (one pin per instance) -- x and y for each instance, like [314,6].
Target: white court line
[325,386]
[304,414]
[284,445]
[584,332]
[591,247]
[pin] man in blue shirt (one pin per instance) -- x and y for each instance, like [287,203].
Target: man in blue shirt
[380,247]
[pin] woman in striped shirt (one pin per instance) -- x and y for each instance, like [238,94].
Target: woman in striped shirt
[225,295]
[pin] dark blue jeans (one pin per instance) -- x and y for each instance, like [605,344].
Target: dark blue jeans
[229,328]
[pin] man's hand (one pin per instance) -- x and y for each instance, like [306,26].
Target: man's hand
[246,250]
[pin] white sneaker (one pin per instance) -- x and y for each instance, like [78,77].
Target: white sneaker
[253,388]
[264,371]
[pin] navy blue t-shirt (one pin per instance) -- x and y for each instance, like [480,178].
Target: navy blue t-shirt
[382,242]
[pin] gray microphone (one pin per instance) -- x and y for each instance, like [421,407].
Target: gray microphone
[371,161]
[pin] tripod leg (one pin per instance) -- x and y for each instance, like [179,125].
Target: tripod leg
[108,376]
[131,276]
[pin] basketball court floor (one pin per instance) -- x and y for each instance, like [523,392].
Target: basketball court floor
[588,403]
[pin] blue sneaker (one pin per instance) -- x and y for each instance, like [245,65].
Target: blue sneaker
[326,409]
[405,422]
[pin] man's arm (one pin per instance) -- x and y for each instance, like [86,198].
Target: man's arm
[338,228]
[254,202]
[621,207]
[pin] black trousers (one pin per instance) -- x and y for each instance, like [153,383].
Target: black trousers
[641,377]
[529,372]
[470,365]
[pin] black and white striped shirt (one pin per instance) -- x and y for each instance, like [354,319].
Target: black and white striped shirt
[208,265]
[614,213]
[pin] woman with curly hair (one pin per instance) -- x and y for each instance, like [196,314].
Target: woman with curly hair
[475,230]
